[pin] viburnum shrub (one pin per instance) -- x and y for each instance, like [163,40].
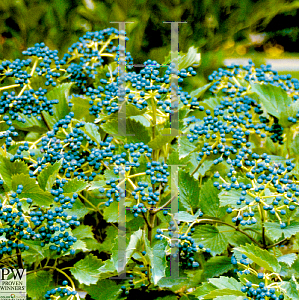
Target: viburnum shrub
[64,168]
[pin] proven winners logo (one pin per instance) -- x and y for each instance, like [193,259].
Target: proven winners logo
[13,284]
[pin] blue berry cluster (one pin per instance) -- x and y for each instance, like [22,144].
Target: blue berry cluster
[254,290]
[60,291]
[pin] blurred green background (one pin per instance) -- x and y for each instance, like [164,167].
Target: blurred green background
[218,28]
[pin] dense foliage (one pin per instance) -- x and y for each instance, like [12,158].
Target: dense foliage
[63,166]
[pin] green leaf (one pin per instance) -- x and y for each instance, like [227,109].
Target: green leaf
[86,270]
[295,145]
[48,176]
[104,289]
[31,124]
[97,184]
[31,190]
[8,169]
[107,270]
[209,201]
[184,216]
[139,131]
[230,198]
[291,288]
[157,257]
[159,141]
[132,110]
[223,292]
[200,91]
[111,212]
[81,108]
[61,109]
[290,111]
[211,237]
[78,209]
[216,266]
[142,120]
[185,60]
[74,185]
[133,246]
[92,131]
[188,190]
[275,232]
[273,98]
[288,258]
[205,166]
[261,257]
[83,232]
[192,163]
[38,284]
[231,297]
[185,147]
[226,283]
[203,290]
[173,283]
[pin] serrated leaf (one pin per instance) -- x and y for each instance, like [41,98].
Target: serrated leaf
[104,289]
[79,245]
[184,216]
[83,232]
[107,270]
[8,169]
[48,176]
[134,244]
[81,108]
[141,119]
[185,147]
[200,91]
[188,190]
[61,109]
[86,270]
[226,283]
[96,184]
[216,266]
[291,288]
[290,111]
[74,185]
[231,197]
[184,60]
[209,201]
[231,297]
[223,292]
[295,145]
[157,257]
[275,232]
[92,131]
[159,141]
[78,209]
[211,237]
[139,132]
[288,258]
[261,257]
[203,290]
[132,110]
[273,98]
[31,190]
[111,213]
[31,124]
[38,284]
